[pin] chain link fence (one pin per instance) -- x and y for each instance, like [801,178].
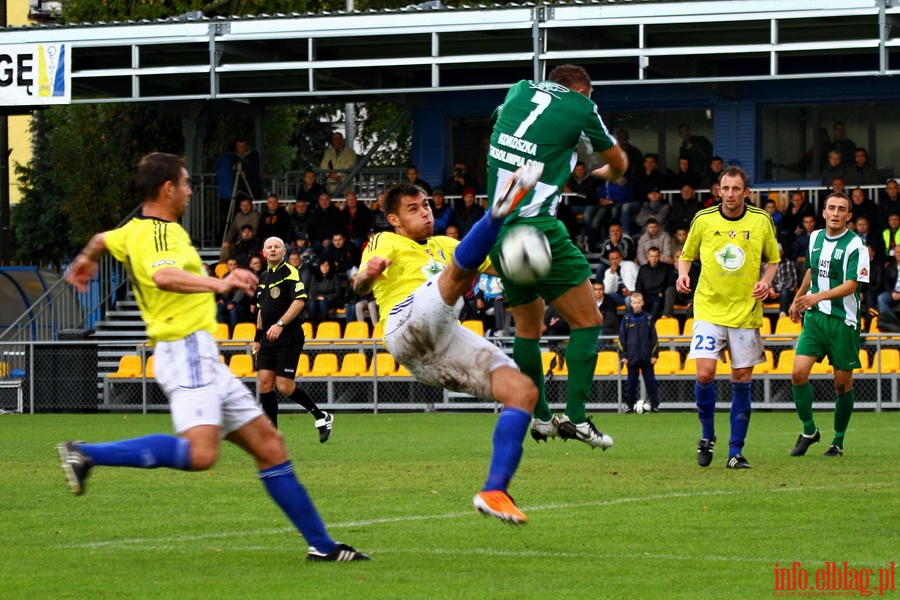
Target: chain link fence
[86,376]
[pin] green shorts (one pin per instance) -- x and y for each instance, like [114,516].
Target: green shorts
[570,267]
[824,335]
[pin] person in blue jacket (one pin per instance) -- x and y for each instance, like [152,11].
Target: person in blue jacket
[639,351]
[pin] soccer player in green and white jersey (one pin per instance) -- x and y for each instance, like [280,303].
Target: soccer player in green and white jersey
[543,123]
[828,303]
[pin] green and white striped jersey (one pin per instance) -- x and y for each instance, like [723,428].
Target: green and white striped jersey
[542,122]
[833,261]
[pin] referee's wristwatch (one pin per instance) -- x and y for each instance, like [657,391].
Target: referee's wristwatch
[280,323]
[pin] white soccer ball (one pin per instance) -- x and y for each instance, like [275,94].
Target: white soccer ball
[641,407]
[525,255]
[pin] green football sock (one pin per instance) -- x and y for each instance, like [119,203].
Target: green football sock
[527,354]
[803,399]
[843,410]
[581,358]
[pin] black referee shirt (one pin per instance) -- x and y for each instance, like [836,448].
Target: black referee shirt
[277,290]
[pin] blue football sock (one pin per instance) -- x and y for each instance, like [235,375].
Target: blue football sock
[740,417]
[512,425]
[706,408]
[290,495]
[474,247]
[148,452]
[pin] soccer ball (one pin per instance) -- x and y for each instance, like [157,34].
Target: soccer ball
[525,255]
[641,407]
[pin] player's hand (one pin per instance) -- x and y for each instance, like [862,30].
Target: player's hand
[376,266]
[760,290]
[683,285]
[653,360]
[274,332]
[241,279]
[795,313]
[80,272]
[254,348]
[624,362]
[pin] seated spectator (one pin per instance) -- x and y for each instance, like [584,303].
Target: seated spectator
[256,265]
[491,304]
[608,209]
[871,238]
[684,207]
[358,306]
[784,285]
[792,220]
[678,241]
[862,171]
[378,221]
[338,157]
[835,169]
[607,308]
[356,219]
[460,180]
[656,281]
[869,292]
[890,294]
[276,222]
[714,198]
[624,244]
[889,201]
[233,307]
[325,220]
[838,186]
[412,176]
[771,207]
[442,212]
[801,244]
[716,166]
[245,215]
[453,232]
[654,237]
[247,247]
[470,212]
[891,235]
[654,208]
[310,189]
[306,260]
[685,175]
[341,255]
[647,179]
[584,188]
[620,278]
[861,206]
[300,217]
[325,293]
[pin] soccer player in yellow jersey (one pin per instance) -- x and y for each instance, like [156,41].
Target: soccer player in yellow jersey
[418,280]
[732,239]
[177,301]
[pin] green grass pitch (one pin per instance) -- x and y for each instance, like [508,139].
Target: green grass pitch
[641,520]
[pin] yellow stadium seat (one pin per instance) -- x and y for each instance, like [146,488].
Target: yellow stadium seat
[669,363]
[785,363]
[221,270]
[221,332]
[688,328]
[243,334]
[863,359]
[130,367]
[889,359]
[821,368]
[766,328]
[356,330]
[784,326]
[307,330]
[550,361]
[377,332]
[382,365]
[475,326]
[768,366]
[353,365]
[327,330]
[150,370]
[324,365]
[607,363]
[689,368]
[667,327]
[302,366]
[400,372]
[241,365]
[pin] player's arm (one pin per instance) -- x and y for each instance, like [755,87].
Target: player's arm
[761,287]
[616,164]
[82,269]
[173,279]
[809,300]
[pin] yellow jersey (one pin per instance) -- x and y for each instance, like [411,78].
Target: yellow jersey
[731,252]
[145,245]
[412,264]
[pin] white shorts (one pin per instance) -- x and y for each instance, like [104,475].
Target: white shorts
[709,341]
[201,390]
[423,334]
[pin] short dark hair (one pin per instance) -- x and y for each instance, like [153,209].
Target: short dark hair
[570,76]
[651,220]
[396,192]
[840,196]
[154,170]
[735,171]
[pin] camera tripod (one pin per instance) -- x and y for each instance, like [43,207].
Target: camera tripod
[241,188]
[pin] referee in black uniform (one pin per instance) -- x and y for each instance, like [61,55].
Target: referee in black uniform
[280,298]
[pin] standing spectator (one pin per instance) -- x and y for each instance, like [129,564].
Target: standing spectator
[685,175]
[340,158]
[728,315]
[695,147]
[862,172]
[639,349]
[378,221]
[889,202]
[470,213]
[607,308]
[784,285]
[829,307]
[654,237]
[656,281]
[300,218]
[442,212]
[684,207]
[280,298]
[635,156]
[246,215]
[620,278]
[247,247]
[356,220]
[310,189]
[276,222]
[842,143]
[654,207]
[326,218]
[178,310]
[412,176]
[325,292]
[459,180]
[248,164]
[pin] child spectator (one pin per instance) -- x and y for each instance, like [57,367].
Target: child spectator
[639,352]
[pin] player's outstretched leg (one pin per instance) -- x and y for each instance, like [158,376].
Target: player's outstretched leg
[516,188]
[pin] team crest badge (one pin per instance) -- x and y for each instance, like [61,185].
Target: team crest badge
[275,292]
[732,234]
[864,272]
